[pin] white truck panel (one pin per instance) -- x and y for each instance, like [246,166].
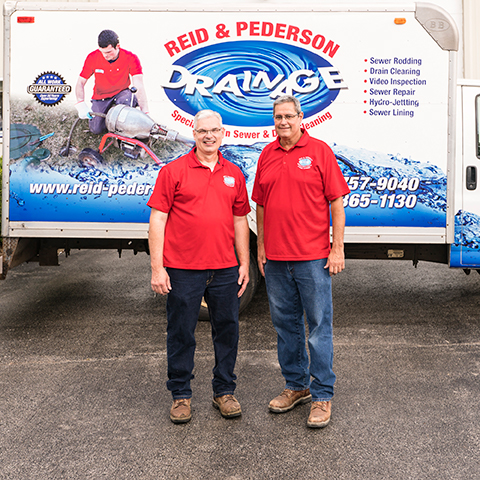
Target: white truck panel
[377,82]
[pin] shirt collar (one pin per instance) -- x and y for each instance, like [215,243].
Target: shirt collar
[301,143]
[194,162]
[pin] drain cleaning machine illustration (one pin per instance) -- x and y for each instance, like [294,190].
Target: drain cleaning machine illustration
[378,84]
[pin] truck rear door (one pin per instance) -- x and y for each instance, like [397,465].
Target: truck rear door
[465,251]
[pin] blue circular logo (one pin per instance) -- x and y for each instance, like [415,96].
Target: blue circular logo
[49,89]
[240,80]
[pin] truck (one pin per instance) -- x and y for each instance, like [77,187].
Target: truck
[379,82]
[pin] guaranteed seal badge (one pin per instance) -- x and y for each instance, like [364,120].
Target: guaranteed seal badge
[49,89]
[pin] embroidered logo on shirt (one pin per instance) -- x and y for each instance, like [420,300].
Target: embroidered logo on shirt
[99,70]
[304,163]
[229,181]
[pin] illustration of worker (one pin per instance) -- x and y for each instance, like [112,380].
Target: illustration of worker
[115,70]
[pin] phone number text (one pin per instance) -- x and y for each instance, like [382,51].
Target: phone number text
[390,185]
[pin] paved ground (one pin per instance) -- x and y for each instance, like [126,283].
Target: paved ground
[83,396]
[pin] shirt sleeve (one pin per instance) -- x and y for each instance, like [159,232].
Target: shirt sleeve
[135,65]
[241,206]
[88,67]
[257,192]
[163,193]
[335,184]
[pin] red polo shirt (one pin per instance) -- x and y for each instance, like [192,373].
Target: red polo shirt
[110,78]
[295,187]
[199,234]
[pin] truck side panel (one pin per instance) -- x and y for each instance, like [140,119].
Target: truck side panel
[376,86]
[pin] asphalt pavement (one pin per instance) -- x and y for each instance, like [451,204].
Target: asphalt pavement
[83,372]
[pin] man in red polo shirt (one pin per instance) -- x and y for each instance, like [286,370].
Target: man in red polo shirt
[298,183]
[115,69]
[198,220]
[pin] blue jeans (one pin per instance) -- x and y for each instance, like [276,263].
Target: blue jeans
[97,124]
[220,289]
[292,288]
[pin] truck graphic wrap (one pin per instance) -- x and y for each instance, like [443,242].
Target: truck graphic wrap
[376,90]
[241,79]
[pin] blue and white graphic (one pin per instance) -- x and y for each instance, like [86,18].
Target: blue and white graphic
[49,89]
[390,190]
[240,80]
[386,190]
[115,193]
[465,252]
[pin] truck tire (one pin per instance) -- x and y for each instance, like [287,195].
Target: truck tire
[247,296]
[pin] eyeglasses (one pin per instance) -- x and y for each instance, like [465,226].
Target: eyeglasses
[279,118]
[215,131]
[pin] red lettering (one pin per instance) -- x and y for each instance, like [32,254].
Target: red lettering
[254,29]
[280,30]
[179,118]
[306,37]
[192,38]
[198,36]
[267,29]
[239,134]
[172,48]
[292,33]
[202,35]
[241,26]
[330,49]
[318,42]
[182,40]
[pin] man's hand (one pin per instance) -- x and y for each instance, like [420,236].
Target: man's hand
[156,235]
[261,259]
[161,282]
[335,262]
[242,247]
[336,259]
[243,278]
[83,110]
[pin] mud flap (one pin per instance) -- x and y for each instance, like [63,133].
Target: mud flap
[16,251]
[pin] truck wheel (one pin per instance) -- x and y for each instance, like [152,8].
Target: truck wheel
[247,296]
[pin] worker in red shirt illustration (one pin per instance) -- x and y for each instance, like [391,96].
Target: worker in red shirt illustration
[115,71]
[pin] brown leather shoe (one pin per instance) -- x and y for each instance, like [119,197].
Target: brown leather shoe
[228,406]
[320,413]
[181,411]
[289,399]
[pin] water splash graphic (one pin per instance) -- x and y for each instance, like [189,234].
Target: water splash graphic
[429,210]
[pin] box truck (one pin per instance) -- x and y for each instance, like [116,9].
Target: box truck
[378,82]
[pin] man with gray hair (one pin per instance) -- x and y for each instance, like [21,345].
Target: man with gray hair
[198,221]
[298,183]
